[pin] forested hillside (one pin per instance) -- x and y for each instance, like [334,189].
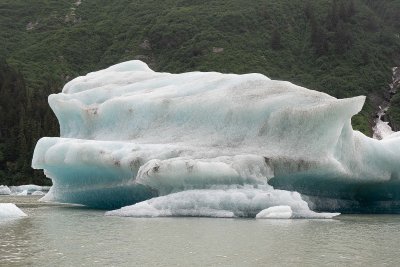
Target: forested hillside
[342,47]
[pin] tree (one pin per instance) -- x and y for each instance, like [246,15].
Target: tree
[333,17]
[351,9]
[309,11]
[343,15]
[319,39]
[276,40]
[343,39]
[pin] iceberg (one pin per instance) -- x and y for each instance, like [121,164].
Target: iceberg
[212,144]
[23,190]
[23,193]
[38,193]
[9,210]
[4,190]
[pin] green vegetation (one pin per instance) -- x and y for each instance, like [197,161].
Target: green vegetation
[342,47]
[24,119]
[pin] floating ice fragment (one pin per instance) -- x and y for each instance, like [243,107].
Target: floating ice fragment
[4,190]
[9,210]
[29,188]
[23,193]
[38,193]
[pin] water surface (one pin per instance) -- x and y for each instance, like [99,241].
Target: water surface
[57,235]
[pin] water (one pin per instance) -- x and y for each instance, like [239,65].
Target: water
[55,235]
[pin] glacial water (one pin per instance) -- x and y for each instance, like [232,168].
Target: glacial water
[57,235]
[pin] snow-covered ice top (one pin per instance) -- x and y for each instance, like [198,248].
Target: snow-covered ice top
[9,210]
[129,101]
[129,134]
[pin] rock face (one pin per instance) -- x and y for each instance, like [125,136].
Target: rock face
[129,134]
[382,129]
[395,85]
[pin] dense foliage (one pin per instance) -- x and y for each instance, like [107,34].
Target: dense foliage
[342,47]
[24,119]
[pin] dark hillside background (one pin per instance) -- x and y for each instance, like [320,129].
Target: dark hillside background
[342,47]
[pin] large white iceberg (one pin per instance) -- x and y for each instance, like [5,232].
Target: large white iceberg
[129,134]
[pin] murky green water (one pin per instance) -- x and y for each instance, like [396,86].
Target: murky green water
[55,235]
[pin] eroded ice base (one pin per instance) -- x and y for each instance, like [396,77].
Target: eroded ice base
[227,203]
[129,134]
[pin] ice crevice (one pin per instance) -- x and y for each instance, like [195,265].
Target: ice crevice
[212,144]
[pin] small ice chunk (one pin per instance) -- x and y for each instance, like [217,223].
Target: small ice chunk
[286,212]
[4,190]
[30,188]
[276,212]
[9,210]
[23,193]
[38,193]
